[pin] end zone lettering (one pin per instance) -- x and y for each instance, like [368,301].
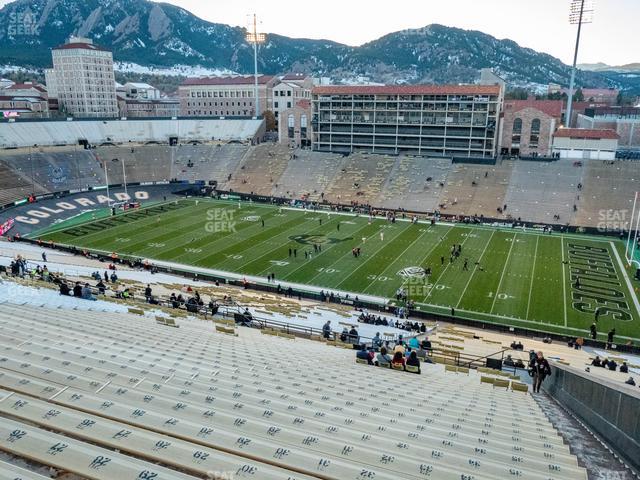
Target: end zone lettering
[595,283]
[74,203]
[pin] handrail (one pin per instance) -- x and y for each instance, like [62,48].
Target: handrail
[477,359]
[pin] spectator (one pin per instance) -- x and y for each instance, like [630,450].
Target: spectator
[86,293]
[376,341]
[414,343]
[426,344]
[64,288]
[365,354]
[174,301]
[631,381]
[399,348]
[596,362]
[610,335]
[326,330]
[77,290]
[413,361]
[344,336]
[509,361]
[594,331]
[604,363]
[147,293]
[102,288]
[398,359]
[114,277]
[624,368]
[383,358]
[541,369]
[612,365]
[354,337]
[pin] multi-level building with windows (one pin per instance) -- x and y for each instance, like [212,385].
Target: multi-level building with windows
[84,79]
[528,126]
[451,120]
[225,96]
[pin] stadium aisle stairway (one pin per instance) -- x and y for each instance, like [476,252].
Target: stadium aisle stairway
[296,414]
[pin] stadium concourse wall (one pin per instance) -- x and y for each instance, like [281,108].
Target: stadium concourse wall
[612,412]
[39,132]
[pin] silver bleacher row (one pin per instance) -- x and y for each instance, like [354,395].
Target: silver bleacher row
[275,400]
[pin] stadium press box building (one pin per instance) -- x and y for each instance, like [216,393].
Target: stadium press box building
[436,120]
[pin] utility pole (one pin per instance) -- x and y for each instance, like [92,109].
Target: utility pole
[255,38]
[581,12]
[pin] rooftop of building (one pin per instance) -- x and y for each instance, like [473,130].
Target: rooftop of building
[553,108]
[587,133]
[26,86]
[227,80]
[407,90]
[291,77]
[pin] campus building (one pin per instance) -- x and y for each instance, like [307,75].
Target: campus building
[293,88]
[294,125]
[624,120]
[83,79]
[528,126]
[231,96]
[451,120]
[584,143]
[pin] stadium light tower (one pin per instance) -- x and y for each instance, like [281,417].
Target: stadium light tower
[581,12]
[255,38]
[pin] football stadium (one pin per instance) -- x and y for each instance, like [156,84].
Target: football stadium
[322,272]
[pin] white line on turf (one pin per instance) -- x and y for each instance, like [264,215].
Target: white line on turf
[533,275]
[399,256]
[446,268]
[564,283]
[475,269]
[626,278]
[504,269]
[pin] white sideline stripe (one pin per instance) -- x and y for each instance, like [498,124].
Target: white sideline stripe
[475,269]
[504,269]
[533,274]
[626,278]
[564,282]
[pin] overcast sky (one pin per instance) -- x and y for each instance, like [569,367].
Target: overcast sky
[539,24]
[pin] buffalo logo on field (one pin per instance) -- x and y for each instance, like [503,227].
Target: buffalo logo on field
[317,239]
[251,218]
[412,272]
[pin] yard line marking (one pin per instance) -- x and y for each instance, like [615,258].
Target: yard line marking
[474,270]
[399,256]
[447,267]
[384,244]
[626,277]
[564,282]
[318,227]
[305,264]
[533,273]
[504,269]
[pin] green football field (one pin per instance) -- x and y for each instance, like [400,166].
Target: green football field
[522,278]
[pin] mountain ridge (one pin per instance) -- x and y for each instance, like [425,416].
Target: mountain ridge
[162,35]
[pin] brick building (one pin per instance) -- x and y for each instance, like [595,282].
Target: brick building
[294,125]
[230,96]
[528,126]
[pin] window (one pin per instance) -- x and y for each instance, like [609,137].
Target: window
[535,133]
[535,126]
[517,125]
